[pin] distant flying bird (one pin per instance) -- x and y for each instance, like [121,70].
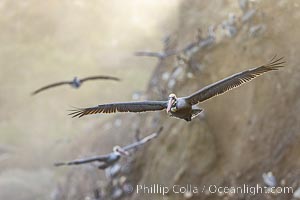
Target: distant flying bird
[160,55]
[200,42]
[76,82]
[184,107]
[110,159]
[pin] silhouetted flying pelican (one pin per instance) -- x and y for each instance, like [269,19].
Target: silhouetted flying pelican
[75,83]
[111,158]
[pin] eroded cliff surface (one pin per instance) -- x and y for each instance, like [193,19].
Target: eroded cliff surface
[244,133]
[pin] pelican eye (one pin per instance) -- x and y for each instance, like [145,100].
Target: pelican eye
[174,104]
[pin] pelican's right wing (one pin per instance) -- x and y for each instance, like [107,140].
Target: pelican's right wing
[156,54]
[141,106]
[143,141]
[83,161]
[50,86]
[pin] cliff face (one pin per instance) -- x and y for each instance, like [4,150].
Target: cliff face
[245,132]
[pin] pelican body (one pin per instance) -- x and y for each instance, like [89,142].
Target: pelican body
[184,107]
[76,83]
[181,108]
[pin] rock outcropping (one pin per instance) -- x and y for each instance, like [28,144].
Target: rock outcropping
[246,132]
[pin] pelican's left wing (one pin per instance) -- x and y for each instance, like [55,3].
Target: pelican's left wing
[148,53]
[233,81]
[141,106]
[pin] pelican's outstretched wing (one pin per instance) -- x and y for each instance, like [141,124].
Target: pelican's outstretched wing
[233,81]
[50,86]
[155,54]
[142,141]
[148,53]
[142,106]
[83,161]
[99,77]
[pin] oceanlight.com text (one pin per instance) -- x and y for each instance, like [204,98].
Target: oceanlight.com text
[211,189]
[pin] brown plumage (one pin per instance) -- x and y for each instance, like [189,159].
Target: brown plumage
[121,107]
[233,81]
[183,107]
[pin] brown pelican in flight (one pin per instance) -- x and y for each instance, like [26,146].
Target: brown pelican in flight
[111,158]
[75,83]
[184,107]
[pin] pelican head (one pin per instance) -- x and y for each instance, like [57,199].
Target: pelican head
[172,102]
[120,151]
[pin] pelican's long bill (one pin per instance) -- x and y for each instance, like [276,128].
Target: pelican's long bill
[123,152]
[171,101]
